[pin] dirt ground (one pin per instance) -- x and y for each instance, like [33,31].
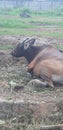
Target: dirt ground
[14,78]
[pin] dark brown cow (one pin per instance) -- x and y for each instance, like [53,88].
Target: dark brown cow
[46,62]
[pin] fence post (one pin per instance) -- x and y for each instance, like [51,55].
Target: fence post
[40,5]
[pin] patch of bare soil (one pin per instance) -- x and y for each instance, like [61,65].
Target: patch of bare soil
[22,105]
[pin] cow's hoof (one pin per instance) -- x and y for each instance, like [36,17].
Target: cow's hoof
[38,83]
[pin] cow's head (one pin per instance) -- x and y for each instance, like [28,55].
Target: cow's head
[23,47]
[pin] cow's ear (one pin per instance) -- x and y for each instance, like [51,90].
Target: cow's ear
[28,43]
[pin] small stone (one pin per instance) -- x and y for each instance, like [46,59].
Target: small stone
[12,84]
[14,120]
[2,122]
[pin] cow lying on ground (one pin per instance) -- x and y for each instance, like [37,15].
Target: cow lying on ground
[46,62]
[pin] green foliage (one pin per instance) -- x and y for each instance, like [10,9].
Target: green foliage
[26,10]
[17,11]
[14,11]
[59,11]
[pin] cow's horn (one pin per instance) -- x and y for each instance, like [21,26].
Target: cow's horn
[25,40]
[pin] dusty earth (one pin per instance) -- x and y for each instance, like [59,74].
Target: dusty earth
[24,106]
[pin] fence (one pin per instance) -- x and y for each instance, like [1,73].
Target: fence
[31,4]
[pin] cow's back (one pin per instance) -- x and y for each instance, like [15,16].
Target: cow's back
[47,63]
[47,53]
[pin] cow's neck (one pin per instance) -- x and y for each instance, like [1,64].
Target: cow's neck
[32,52]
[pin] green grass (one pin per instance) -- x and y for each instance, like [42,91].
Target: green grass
[40,23]
[34,22]
[5,47]
[59,46]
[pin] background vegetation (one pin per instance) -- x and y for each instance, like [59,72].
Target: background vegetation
[11,23]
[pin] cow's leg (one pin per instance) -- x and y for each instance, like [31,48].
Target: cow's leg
[46,77]
[39,83]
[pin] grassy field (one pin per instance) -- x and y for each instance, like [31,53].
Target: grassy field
[40,23]
[47,24]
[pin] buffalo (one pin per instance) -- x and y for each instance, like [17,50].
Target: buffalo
[45,62]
